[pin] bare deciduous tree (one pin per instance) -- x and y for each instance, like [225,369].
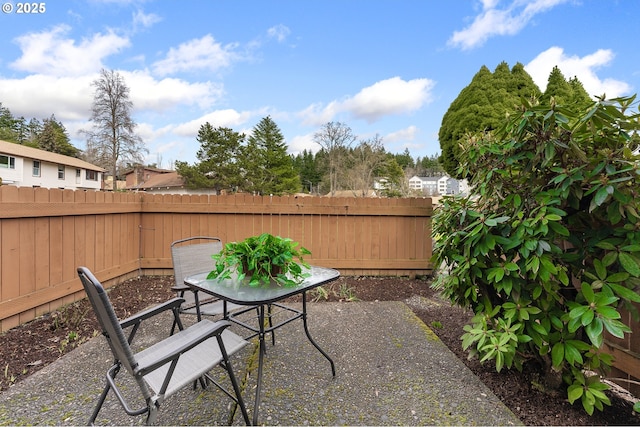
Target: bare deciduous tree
[334,138]
[366,159]
[112,140]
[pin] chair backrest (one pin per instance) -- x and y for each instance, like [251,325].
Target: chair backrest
[108,320]
[193,255]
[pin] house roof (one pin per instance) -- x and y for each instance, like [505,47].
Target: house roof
[169,179]
[20,150]
[428,178]
[147,168]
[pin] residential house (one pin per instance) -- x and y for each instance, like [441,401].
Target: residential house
[160,181]
[141,174]
[437,185]
[24,166]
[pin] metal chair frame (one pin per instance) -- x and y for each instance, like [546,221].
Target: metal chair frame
[168,365]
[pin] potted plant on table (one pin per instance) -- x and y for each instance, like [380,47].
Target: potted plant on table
[264,259]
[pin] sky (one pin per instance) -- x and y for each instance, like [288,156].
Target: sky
[386,68]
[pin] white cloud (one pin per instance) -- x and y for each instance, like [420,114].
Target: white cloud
[279,32]
[197,54]
[224,118]
[391,96]
[145,20]
[300,143]
[387,97]
[148,93]
[70,98]
[499,22]
[402,135]
[40,96]
[50,52]
[148,132]
[315,114]
[574,66]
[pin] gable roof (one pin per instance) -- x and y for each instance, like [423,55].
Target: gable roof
[169,179]
[20,150]
[426,178]
[146,168]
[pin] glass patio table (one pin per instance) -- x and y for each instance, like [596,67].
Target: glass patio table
[232,291]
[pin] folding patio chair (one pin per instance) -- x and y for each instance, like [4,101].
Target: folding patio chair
[192,256]
[168,365]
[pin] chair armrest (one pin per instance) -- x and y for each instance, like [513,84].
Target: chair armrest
[181,343]
[153,311]
[180,288]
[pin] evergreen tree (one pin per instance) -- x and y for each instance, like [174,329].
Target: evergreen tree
[429,166]
[558,88]
[570,94]
[481,106]
[404,160]
[8,131]
[521,84]
[53,137]
[267,167]
[393,173]
[49,135]
[464,115]
[309,170]
[579,95]
[218,155]
[33,129]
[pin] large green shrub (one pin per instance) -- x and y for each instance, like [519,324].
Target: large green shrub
[546,250]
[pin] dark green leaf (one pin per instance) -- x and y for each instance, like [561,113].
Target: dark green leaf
[557,354]
[629,263]
[601,270]
[601,196]
[625,293]
[588,292]
[594,332]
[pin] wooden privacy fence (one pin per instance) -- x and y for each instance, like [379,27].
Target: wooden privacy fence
[45,234]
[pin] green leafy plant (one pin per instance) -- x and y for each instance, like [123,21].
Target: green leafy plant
[547,250]
[264,259]
[320,294]
[346,293]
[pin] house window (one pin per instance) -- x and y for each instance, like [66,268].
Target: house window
[60,171]
[7,162]
[78,176]
[36,168]
[92,175]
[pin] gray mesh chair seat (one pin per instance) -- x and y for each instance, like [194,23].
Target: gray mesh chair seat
[168,365]
[192,256]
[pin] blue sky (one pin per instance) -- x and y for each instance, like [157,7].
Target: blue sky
[386,67]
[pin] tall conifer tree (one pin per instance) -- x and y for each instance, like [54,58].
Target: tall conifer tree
[267,167]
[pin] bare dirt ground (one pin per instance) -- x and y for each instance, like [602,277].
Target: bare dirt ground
[26,349]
